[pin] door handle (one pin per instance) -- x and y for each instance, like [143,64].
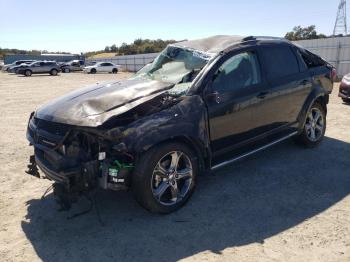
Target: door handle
[262,95]
[214,96]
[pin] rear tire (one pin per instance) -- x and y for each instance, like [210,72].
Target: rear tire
[28,73]
[314,127]
[53,72]
[164,177]
[115,71]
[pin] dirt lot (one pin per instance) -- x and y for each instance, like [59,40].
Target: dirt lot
[285,204]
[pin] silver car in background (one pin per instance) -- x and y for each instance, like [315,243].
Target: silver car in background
[40,67]
[16,63]
[72,66]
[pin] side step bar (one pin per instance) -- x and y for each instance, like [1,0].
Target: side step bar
[225,163]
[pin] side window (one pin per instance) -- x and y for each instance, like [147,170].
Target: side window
[280,61]
[311,60]
[237,72]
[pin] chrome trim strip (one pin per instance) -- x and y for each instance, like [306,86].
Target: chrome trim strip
[252,152]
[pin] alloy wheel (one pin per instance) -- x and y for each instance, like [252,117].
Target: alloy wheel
[172,178]
[314,125]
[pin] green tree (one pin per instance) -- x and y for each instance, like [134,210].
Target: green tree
[304,33]
[107,49]
[114,49]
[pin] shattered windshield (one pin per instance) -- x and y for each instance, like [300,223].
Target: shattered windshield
[175,65]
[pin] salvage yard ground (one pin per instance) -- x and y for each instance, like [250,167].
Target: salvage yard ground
[284,204]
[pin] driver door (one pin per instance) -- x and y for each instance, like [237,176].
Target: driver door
[231,100]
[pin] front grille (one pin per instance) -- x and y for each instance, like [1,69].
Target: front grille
[51,127]
[46,133]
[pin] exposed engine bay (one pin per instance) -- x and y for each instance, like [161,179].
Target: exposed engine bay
[74,155]
[91,138]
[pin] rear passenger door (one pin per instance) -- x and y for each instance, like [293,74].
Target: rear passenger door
[278,105]
[37,67]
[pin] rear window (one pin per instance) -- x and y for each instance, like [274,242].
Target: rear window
[311,60]
[280,61]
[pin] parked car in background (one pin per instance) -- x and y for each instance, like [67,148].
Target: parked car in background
[200,105]
[40,67]
[18,62]
[344,89]
[13,69]
[102,67]
[72,66]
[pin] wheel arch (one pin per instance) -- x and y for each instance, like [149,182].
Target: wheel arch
[318,95]
[194,144]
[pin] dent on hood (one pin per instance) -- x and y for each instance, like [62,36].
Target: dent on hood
[93,105]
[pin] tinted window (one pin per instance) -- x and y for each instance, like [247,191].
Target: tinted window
[237,72]
[311,60]
[280,61]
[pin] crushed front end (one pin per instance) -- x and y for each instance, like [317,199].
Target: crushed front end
[77,159]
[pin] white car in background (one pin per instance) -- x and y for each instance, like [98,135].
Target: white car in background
[102,67]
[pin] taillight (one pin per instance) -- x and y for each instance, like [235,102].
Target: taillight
[333,75]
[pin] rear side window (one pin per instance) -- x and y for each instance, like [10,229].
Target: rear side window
[311,60]
[280,61]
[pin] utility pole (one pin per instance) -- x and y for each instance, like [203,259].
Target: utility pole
[340,27]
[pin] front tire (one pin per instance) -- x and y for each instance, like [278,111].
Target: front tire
[314,127]
[165,177]
[53,72]
[28,73]
[93,71]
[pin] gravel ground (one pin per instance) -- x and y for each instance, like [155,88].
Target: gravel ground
[284,204]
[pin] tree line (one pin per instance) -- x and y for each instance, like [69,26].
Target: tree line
[139,46]
[144,46]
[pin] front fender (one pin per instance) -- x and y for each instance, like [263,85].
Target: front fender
[185,119]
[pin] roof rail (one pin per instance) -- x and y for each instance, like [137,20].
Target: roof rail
[251,38]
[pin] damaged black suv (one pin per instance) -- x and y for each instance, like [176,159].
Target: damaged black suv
[199,106]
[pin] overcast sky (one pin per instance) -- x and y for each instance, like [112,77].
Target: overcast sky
[80,26]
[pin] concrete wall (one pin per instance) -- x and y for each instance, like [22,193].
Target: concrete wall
[131,63]
[334,50]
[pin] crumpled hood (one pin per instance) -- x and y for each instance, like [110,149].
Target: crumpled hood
[93,105]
